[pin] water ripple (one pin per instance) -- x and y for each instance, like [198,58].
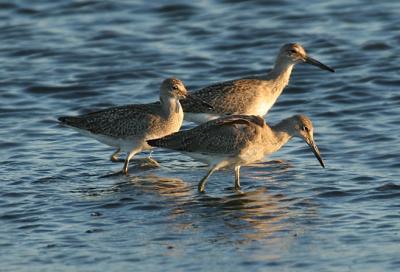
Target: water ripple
[61,202]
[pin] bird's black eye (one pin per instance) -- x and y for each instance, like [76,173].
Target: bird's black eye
[175,87]
[304,128]
[292,51]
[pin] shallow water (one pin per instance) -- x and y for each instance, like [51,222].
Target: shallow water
[61,211]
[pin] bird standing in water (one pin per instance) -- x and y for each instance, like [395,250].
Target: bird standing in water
[237,140]
[128,127]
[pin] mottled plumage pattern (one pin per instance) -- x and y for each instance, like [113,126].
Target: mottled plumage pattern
[128,127]
[237,140]
[226,136]
[121,122]
[253,95]
[230,97]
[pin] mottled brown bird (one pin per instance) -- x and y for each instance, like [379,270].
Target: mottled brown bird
[253,95]
[237,140]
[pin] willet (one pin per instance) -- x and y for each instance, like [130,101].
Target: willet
[237,140]
[128,127]
[253,95]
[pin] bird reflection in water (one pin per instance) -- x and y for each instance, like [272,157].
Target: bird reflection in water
[163,186]
[253,215]
[136,165]
[235,217]
[268,170]
[257,214]
[151,184]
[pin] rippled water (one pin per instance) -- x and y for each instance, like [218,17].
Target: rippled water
[58,213]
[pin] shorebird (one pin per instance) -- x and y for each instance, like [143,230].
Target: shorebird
[128,127]
[237,140]
[253,95]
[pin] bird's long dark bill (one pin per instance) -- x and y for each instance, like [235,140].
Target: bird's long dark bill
[316,152]
[315,62]
[194,97]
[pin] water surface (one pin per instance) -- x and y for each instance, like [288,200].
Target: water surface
[58,212]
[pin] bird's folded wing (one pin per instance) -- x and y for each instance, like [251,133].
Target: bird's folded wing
[226,97]
[223,136]
[123,121]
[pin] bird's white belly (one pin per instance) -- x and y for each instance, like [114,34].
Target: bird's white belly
[125,144]
[251,155]
[200,117]
[262,108]
[210,159]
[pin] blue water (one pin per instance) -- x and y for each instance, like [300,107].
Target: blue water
[58,212]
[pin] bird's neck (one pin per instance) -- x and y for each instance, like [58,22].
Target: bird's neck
[170,106]
[280,75]
[281,135]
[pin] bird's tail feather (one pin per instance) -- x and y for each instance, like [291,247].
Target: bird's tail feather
[68,120]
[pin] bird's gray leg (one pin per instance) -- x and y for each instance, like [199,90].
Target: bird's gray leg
[114,156]
[128,158]
[151,160]
[203,181]
[237,178]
